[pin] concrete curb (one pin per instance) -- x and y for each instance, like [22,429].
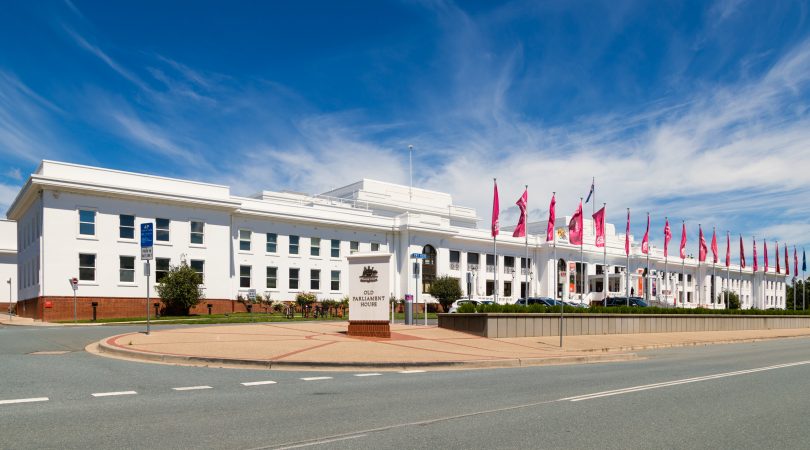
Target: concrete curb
[635,348]
[104,348]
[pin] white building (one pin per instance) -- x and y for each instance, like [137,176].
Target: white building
[79,221]
[8,264]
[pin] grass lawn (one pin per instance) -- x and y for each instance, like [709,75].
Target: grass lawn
[212,319]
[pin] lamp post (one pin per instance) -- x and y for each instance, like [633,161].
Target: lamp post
[9,298]
[410,172]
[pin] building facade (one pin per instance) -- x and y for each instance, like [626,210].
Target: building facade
[8,264]
[83,222]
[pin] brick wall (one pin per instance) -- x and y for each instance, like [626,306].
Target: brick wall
[61,308]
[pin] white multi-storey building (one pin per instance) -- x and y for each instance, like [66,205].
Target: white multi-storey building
[83,222]
[8,264]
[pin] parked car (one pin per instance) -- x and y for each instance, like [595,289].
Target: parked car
[576,305]
[623,301]
[546,301]
[463,301]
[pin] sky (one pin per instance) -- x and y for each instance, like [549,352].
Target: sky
[695,110]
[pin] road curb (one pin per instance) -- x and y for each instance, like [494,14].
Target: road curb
[107,347]
[635,348]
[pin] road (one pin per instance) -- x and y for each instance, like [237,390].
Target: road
[700,397]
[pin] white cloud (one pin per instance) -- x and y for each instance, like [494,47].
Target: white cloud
[7,195]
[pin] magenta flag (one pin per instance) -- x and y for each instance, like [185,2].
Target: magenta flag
[765,253]
[575,227]
[756,263]
[496,212]
[599,227]
[703,249]
[627,235]
[520,229]
[795,262]
[742,253]
[645,243]
[787,261]
[667,238]
[714,245]
[776,255]
[552,216]
[728,249]
[683,241]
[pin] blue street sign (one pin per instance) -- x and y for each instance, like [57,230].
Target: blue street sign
[146,234]
[418,256]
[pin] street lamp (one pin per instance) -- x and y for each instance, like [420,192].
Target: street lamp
[9,297]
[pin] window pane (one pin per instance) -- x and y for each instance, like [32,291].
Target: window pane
[198,265]
[86,260]
[162,264]
[162,224]
[272,275]
[244,234]
[354,246]
[293,278]
[375,247]
[87,216]
[335,281]
[127,276]
[197,227]
[315,247]
[87,228]
[126,220]
[293,245]
[315,279]
[196,238]
[244,271]
[127,262]
[162,235]
[126,233]
[271,242]
[87,274]
[335,248]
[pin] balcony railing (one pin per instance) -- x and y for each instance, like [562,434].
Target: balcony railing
[455,266]
[490,267]
[472,267]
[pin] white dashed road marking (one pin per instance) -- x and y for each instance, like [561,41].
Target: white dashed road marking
[258,383]
[191,388]
[316,378]
[24,400]
[411,371]
[112,394]
[367,374]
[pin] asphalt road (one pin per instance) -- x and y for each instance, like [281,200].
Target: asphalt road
[724,396]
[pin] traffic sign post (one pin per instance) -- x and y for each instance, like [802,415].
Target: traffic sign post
[416,275]
[147,234]
[74,284]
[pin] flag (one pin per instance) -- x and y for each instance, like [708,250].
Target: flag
[599,227]
[683,241]
[667,238]
[703,249]
[575,227]
[590,193]
[756,264]
[552,217]
[520,229]
[714,245]
[765,253]
[776,254]
[728,249]
[496,211]
[742,253]
[804,261]
[627,235]
[787,262]
[645,243]
[795,262]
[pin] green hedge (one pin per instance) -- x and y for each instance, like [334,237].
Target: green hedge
[468,308]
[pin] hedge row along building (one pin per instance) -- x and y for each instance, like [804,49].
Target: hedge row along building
[83,222]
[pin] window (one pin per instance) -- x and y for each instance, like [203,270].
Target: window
[197,232]
[472,262]
[315,246]
[509,263]
[490,287]
[162,230]
[455,260]
[161,268]
[335,283]
[244,276]
[198,266]
[335,248]
[375,246]
[126,226]
[525,265]
[507,288]
[490,263]
[126,269]
[87,267]
[293,245]
[315,280]
[87,222]
[244,240]
[272,239]
[294,278]
[354,247]
[272,277]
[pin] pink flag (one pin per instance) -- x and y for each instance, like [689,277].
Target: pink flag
[742,253]
[776,254]
[703,248]
[787,262]
[496,212]
[756,263]
[714,244]
[520,229]
[683,241]
[645,243]
[728,249]
[795,262]
[599,227]
[667,238]
[627,235]
[575,227]
[765,253]
[552,216]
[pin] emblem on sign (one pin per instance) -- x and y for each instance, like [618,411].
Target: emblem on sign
[369,275]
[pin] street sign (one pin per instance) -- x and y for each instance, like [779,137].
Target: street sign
[74,283]
[252,295]
[418,256]
[147,233]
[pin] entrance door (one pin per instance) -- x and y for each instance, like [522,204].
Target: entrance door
[428,268]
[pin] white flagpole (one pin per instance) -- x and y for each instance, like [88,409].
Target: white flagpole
[582,257]
[714,270]
[604,257]
[647,278]
[666,267]
[627,277]
[728,269]
[683,273]
[699,284]
[495,251]
[526,236]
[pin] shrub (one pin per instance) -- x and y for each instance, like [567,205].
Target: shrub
[180,290]
[733,299]
[446,290]
[305,299]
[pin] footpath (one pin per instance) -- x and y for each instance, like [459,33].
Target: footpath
[325,346]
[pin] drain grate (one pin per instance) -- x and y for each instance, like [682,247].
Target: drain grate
[50,352]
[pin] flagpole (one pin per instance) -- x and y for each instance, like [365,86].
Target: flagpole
[683,270]
[627,277]
[647,278]
[526,236]
[804,279]
[604,259]
[728,268]
[699,284]
[593,186]
[666,266]
[495,268]
[714,268]
[557,273]
[582,260]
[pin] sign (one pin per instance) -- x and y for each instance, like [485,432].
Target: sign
[408,297]
[252,295]
[74,283]
[418,256]
[369,287]
[147,233]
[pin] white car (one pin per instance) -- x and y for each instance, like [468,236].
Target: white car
[462,301]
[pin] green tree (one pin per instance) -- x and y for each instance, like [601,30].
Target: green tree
[446,290]
[180,290]
[733,299]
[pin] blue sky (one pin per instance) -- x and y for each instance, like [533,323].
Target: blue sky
[695,110]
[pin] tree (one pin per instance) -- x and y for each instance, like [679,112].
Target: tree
[446,289]
[180,290]
[733,299]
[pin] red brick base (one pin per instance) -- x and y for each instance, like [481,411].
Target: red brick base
[370,328]
[56,309]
